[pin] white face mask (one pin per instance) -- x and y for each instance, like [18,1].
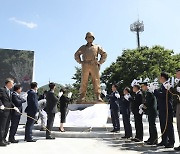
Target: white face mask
[176,80]
[60,94]
[127,96]
[178,89]
[35,90]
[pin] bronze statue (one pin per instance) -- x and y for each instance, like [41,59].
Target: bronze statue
[87,56]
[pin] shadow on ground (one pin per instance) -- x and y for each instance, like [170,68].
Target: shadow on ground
[122,144]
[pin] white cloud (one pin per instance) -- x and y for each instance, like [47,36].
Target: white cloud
[30,25]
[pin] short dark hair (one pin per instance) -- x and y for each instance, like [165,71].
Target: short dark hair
[165,75]
[63,90]
[127,89]
[17,87]
[52,85]
[33,85]
[115,85]
[143,84]
[45,91]
[178,70]
[9,80]
[137,86]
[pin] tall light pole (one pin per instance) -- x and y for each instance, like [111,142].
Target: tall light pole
[137,27]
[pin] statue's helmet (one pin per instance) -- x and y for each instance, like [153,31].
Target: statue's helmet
[89,34]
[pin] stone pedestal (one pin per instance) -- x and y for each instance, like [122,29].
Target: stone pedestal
[74,107]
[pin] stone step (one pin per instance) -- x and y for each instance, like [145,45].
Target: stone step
[103,134]
[80,132]
[85,129]
[79,129]
[68,134]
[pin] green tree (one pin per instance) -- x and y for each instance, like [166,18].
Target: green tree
[46,87]
[134,64]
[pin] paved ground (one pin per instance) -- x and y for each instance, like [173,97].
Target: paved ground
[80,146]
[113,145]
[61,145]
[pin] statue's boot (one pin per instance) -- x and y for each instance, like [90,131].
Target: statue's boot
[82,98]
[98,97]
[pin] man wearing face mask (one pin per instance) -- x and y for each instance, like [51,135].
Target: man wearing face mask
[90,65]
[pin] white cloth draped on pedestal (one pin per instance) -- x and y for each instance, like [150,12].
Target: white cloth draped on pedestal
[93,116]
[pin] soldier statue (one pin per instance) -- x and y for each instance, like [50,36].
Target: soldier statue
[87,56]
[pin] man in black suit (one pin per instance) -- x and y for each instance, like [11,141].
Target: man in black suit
[5,102]
[51,109]
[31,110]
[137,101]
[164,101]
[15,116]
[149,102]
[114,107]
[176,101]
[125,111]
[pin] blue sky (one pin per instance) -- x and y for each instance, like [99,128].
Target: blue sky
[55,29]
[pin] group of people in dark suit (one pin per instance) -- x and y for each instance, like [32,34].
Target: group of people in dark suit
[125,105]
[51,109]
[159,102]
[11,109]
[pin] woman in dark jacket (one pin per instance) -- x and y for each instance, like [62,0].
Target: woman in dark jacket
[64,100]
